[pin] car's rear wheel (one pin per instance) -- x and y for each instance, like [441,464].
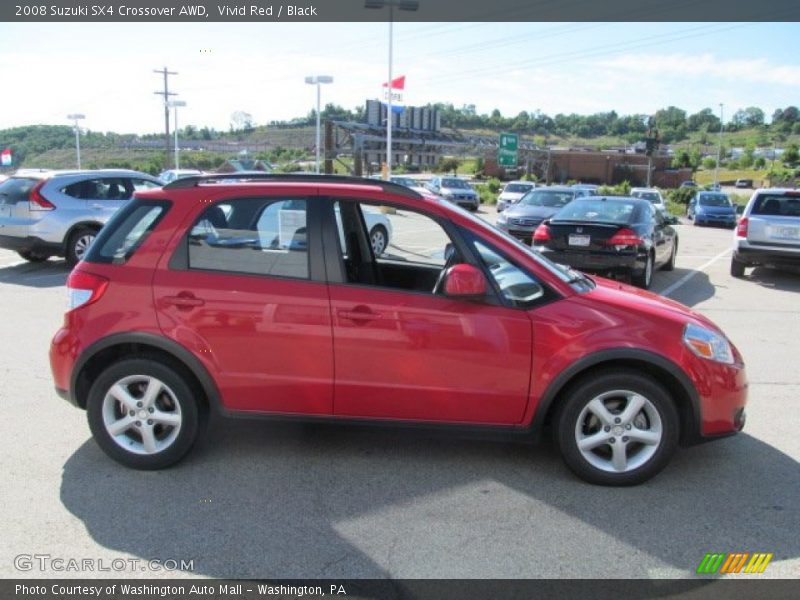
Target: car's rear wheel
[617,428]
[78,244]
[33,256]
[379,238]
[644,279]
[737,268]
[143,414]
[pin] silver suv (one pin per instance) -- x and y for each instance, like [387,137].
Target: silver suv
[769,231]
[58,213]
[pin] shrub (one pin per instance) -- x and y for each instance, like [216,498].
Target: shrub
[680,195]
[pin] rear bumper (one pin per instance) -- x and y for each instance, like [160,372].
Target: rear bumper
[30,244]
[753,256]
[596,261]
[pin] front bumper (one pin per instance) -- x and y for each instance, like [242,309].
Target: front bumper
[723,220]
[30,244]
[722,391]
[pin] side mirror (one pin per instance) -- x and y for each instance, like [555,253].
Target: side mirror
[464,281]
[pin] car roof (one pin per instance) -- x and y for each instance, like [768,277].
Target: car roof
[49,173]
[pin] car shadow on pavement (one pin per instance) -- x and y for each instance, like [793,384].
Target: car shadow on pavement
[775,279]
[260,499]
[698,289]
[47,274]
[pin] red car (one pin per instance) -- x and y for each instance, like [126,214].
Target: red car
[264,297]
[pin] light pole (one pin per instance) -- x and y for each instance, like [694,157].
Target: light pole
[407,5]
[174,104]
[719,147]
[77,117]
[318,80]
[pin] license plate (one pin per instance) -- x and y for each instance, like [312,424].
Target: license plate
[579,240]
[787,232]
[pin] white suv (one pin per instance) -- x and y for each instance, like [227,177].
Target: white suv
[768,233]
[653,195]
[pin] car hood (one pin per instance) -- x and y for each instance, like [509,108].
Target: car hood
[511,196]
[529,211]
[636,299]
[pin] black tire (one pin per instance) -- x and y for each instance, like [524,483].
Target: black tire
[670,264]
[378,232]
[32,256]
[74,249]
[645,279]
[178,391]
[737,268]
[655,456]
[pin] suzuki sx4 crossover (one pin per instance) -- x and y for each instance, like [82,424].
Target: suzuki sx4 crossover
[265,297]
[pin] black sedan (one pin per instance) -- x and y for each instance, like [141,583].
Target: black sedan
[610,235]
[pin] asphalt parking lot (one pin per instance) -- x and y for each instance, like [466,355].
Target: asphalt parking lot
[260,499]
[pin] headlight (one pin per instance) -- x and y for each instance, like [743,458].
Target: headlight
[707,344]
[502,218]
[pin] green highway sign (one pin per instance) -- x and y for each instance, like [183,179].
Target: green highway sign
[507,150]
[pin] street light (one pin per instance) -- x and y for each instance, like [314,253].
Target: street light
[175,104]
[719,147]
[407,5]
[77,117]
[318,80]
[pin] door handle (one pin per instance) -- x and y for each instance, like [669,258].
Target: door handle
[183,300]
[358,315]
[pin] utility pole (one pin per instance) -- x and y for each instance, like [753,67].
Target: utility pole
[166,94]
[719,147]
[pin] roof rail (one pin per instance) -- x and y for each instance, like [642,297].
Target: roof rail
[388,186]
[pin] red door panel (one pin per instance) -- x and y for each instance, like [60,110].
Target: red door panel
[404,355]
[267,341]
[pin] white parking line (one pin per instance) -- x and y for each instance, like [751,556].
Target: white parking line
[691,274]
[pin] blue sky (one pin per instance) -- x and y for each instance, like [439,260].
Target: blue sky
[105,70]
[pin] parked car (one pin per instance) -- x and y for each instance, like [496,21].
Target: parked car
[455,190]
[171,175]
[58,213]
[522,219]
[590,189]
[615,235]
[406,181]
[512,193]
[769,232]
[653,195]
[712,208]
[461,326]
[744,183]
[688,184]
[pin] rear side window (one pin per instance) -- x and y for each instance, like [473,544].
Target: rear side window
[256,236]
[777,205]
[107,188]
[126,231]
[16,189]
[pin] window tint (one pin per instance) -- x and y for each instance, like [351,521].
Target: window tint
[109,188]
[548,198]
[517,286]
[254,236]
[777,206]
[126,231]
[16,189]
[590,209]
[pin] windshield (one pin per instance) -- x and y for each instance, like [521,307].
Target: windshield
[518,188]
[714,200]
[597,210]
[455,183]
[551,198]
[406,181]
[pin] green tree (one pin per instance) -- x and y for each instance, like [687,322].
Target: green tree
[791,155]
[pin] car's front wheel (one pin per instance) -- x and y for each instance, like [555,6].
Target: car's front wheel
[143,414]
[617,428]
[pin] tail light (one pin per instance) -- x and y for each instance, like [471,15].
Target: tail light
[37,200]
[542,234]
[84,288]
[741,228]
[624,237]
